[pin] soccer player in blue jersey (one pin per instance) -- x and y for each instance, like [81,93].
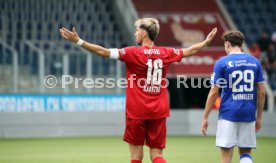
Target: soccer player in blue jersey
[240,78]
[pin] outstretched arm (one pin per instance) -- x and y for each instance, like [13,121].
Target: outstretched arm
[73,37]
[199,46]
[213,94]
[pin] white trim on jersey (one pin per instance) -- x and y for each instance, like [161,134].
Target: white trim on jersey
[261,81]
[236,53]
[114,54]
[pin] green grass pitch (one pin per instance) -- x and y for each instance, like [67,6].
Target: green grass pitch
[114,150]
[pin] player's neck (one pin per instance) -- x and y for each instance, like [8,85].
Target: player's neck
[235,50]
[148,43]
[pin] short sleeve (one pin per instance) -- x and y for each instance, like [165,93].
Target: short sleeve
[126,54]
[217,75]
[260,75]
[175,55]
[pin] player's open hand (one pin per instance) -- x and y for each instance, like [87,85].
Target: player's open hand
[70,35]
[211,35]
[204,126]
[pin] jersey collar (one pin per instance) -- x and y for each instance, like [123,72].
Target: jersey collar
[236,53]
[147,47]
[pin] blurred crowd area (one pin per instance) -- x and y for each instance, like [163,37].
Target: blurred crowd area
[264,48]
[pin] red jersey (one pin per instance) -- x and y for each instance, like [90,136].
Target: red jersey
[146,69]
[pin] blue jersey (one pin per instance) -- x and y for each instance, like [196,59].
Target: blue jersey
[237,75]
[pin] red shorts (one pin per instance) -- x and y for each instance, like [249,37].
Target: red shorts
[150,132]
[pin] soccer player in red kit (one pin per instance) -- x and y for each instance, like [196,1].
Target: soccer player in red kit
[147,105]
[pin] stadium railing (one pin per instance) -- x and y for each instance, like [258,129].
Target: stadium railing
[31,28]
[128,12]
[4,46]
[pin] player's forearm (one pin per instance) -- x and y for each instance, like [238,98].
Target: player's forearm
[260,104]
[194,48]
[210,103]
[199,46]
[98,50]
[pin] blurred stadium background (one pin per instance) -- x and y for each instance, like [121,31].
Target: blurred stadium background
[31,49]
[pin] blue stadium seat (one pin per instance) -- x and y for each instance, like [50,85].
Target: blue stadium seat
[1,54]
[39,21]
[253,16]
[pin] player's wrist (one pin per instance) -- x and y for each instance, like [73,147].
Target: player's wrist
[207,42]
[80,42]
[205,118]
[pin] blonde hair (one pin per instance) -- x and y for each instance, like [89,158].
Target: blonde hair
[150,25]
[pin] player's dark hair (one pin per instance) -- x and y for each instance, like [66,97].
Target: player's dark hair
[235,38]
[151,30]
